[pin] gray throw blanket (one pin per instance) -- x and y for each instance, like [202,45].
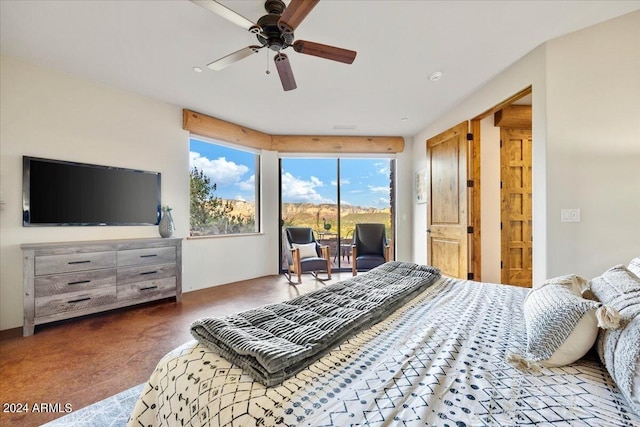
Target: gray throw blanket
[276,341]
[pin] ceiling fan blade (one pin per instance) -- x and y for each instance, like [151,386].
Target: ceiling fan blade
[225,61]
[324,51]
[226,13]
[284,71]
[295,13]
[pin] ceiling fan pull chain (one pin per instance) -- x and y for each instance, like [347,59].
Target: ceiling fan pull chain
[268,72]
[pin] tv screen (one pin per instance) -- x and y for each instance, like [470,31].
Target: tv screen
[56,192]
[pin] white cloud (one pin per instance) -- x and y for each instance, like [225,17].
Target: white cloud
[220,170]
[249,184]
[344,181]
[295,190]
[378,189]
[316,181]
[383,168]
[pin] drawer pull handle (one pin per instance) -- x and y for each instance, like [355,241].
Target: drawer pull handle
[79,300]
[79,262]
[148,272]
[148,288]
[148,256]
[79,282]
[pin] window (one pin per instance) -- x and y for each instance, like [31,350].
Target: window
[333,195]
[224,184]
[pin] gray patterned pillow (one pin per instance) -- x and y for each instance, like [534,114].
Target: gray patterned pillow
[561,326]
[579,285]
[619,349]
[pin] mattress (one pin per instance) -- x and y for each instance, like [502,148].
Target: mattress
[438,360]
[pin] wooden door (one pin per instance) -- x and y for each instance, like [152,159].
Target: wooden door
[447,238]
[516,209]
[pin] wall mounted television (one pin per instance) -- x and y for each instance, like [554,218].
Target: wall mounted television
[62,193]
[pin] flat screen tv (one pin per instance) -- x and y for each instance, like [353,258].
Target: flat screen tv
[57,192]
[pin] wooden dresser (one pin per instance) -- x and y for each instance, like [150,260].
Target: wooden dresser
[71,279]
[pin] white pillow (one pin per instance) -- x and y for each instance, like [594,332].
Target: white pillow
[577,344]
[579,285]
[307,250]
[561,326]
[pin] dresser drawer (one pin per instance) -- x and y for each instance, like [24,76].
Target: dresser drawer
[149,289]
[145,272]
[146,256]
[54,284]
[61,303]
[67,263]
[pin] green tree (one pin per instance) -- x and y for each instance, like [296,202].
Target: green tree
[205,207]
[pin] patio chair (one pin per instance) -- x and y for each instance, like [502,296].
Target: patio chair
[370,248]
[305,254]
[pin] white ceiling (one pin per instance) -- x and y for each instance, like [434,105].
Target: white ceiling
[150,47]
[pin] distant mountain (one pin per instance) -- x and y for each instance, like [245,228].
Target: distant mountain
[318,216]
[326,209]
[307,209]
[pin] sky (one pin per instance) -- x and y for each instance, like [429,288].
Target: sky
[363,182]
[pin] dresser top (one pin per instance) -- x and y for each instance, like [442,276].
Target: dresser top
[112,244]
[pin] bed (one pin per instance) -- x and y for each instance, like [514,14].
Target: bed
[440,358]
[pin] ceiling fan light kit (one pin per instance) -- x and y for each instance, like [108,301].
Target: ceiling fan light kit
[275,31]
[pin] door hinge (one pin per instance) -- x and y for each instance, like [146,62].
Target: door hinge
[470,183]
[501,185]
[469,276]
[469,137]
[500,226]
[500,143]
[501,265]
[470,230]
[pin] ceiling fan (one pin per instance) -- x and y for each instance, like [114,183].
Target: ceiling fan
[275,31]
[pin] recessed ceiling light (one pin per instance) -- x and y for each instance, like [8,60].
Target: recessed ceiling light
[435,76]
[197,69]
[404,119]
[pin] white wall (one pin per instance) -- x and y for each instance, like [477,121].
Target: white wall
[593,154]
[586,146]
[47,114]
[418,149]
[490,201]
[404,203]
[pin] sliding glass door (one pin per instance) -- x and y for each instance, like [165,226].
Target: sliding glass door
[332,195]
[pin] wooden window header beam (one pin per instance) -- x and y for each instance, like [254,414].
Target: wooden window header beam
[221,130]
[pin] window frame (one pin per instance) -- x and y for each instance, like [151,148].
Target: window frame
[338,157]
[257,186]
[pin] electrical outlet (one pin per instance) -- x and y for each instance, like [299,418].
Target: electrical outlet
[569,215]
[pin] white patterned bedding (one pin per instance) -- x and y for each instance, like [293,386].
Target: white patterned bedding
[439,360]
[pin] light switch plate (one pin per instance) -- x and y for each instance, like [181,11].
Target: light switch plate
[569,215]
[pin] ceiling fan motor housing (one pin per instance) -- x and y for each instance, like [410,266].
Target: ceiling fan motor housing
[272,36]
[275,7]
